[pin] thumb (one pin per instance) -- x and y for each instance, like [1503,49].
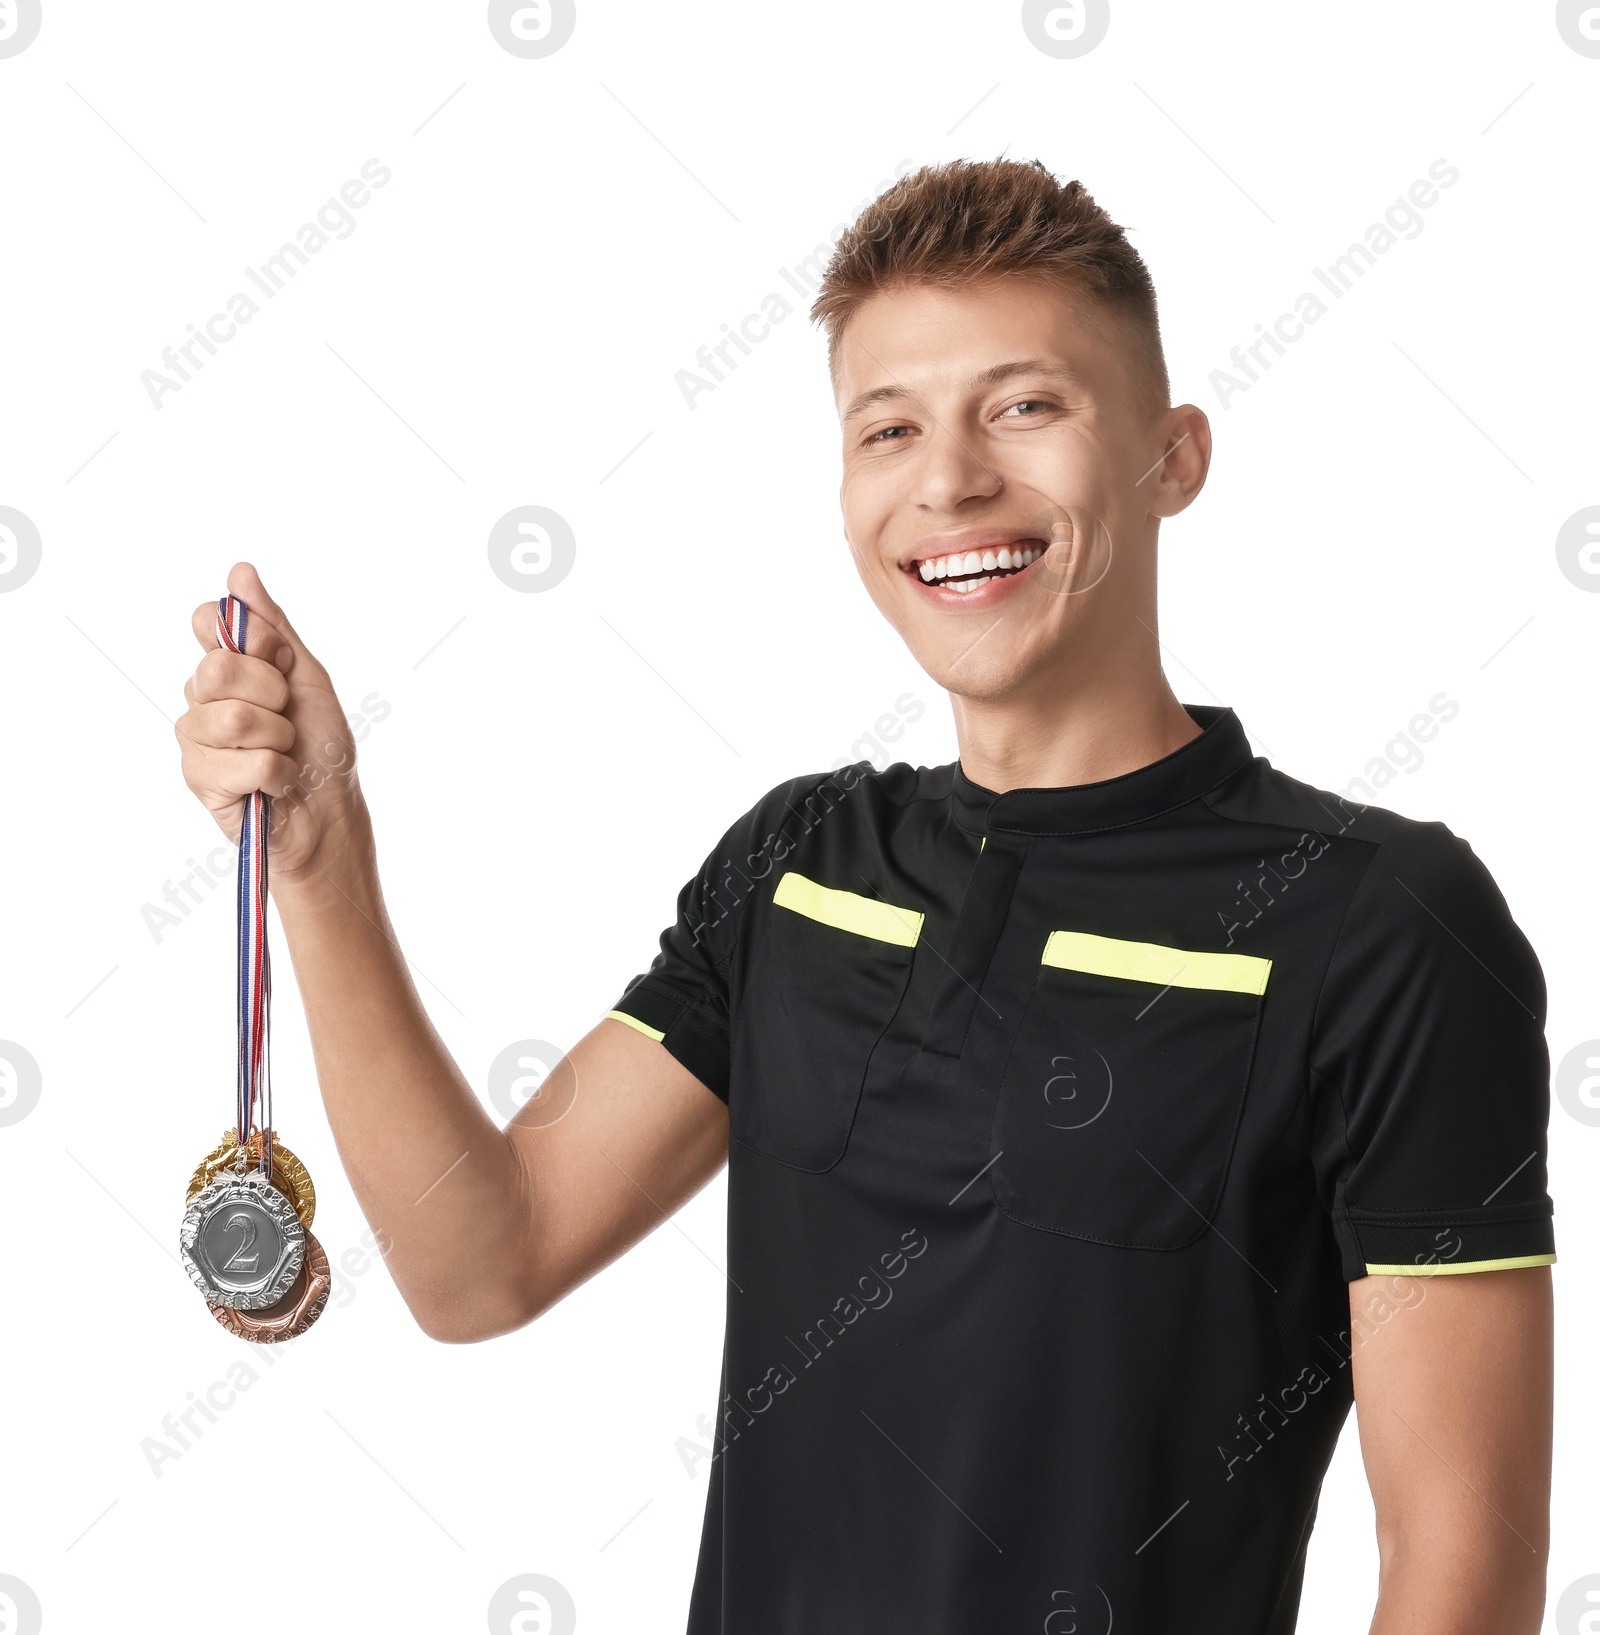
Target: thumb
[245,583]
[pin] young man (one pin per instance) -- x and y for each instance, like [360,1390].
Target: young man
[1103,1112]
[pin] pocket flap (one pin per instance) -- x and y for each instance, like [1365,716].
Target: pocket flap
[865,916]
[1150,962]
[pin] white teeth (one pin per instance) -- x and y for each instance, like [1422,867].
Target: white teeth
[1006,558]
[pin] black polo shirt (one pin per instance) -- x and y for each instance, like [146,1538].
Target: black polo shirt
[1061,1121]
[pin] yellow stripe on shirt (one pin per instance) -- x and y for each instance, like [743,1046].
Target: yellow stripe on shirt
[865,916]
[1150,962]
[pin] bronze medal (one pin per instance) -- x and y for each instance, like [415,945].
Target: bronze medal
[292,1315]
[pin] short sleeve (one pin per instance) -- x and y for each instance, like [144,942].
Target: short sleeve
[1430,1074]
[684,998]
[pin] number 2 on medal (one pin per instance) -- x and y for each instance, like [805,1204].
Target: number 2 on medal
[238,1261]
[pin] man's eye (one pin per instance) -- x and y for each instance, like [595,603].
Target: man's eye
[1027,403]
[886,433]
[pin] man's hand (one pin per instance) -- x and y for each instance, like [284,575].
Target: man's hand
[268,719]
[485,1228]
[1453,1387]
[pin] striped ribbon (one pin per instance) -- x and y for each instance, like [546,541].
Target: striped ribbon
[255,963]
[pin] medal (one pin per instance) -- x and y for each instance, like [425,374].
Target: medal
[244,1239]
[292,1315]
[289,1175]
[242,1243]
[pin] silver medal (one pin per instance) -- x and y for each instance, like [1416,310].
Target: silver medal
[242,1243]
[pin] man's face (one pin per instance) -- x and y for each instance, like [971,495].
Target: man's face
[1000,490]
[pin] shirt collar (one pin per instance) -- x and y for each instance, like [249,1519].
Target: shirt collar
[1219,751]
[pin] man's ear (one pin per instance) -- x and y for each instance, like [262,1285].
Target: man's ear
[1181,450]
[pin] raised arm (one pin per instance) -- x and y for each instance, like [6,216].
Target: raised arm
[1453,1388]
[487,1227]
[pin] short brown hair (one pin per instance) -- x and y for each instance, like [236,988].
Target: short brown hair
[968,220]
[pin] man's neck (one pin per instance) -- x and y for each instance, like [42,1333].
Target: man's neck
[1079,735]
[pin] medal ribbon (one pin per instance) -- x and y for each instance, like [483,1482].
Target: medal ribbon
[255,964]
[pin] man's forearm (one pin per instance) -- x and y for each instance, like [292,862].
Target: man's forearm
[430,1169]
[1454,1400]
[1469,1584]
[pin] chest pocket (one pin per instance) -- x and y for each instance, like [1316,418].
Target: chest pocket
[825,980]
[1119,1104]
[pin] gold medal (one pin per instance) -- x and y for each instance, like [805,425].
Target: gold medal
[289,1175]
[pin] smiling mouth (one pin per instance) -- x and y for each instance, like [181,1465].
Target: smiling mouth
[966,570]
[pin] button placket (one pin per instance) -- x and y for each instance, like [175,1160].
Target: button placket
[979,926]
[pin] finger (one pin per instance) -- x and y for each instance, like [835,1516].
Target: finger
[234,724]
[219,776]
[261,637]
[245,583]
[221,674]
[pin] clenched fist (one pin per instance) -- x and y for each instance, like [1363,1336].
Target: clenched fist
[268,718]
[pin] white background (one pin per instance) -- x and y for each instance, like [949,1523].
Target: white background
[502,328]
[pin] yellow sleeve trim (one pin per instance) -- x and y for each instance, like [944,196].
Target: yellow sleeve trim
[1150,962]
[636,1025]
[865,916]
[1440,1269]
